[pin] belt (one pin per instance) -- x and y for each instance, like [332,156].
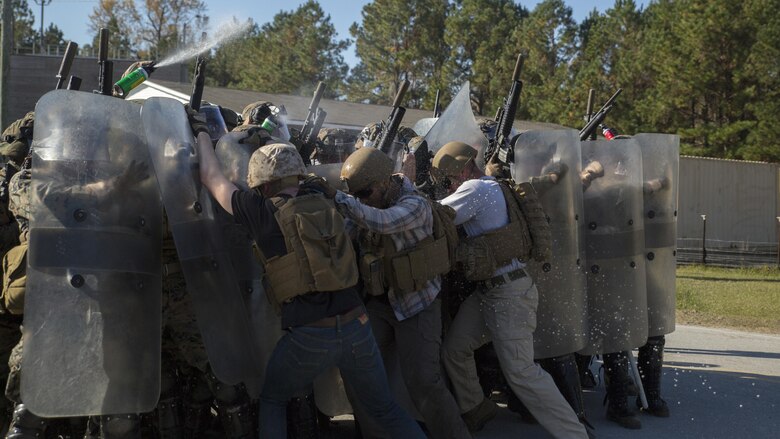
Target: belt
[340,319]
[503,279]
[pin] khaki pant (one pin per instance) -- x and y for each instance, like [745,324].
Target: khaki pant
[506,315]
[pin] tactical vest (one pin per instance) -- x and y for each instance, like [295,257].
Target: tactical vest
[383,267]
[319,255]
[527,234]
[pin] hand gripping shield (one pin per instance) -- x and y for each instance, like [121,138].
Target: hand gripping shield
[550,160]
[661,164]
[457,123]
[92,306]
[217,299]
[614,247]
[265,324]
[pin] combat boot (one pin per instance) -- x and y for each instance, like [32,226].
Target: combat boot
[25,425]
[234,408]
[564,372]
[618,410]
[480,415]
[651,361]
[587,380]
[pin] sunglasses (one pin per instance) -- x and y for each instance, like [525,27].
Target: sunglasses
[363,193]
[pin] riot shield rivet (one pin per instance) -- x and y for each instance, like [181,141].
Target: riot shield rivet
[675,213]
[578,262]
[546,217]
[79,215]
[630,222]
[140,285]
[214,264]
[632,264]
[592,226]
[651,214]
[197,207]
[674,253]
[546,267]
[576,217]
[77,281]
[141,221]
[650,256]
[594,269]
[250,290]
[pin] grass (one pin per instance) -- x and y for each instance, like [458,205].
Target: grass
[739,298]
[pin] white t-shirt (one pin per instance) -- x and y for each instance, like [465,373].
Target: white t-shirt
[480,207]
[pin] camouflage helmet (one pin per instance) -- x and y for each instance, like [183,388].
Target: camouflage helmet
[451,158]
[16,139]
[335,136]
[405,134]
[365,167]
[274,162]
[488,127]
[232,119]
[256,112]
[369,136]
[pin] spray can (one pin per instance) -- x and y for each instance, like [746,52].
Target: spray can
[132,80]
[608,132]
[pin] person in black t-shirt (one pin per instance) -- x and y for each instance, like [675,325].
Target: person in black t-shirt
[322,314]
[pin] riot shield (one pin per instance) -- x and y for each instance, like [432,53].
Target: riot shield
[614,247]
[422,126]
[660,163]
[457,123]
[265,324]
[93,294]
[217,299]
[550,160]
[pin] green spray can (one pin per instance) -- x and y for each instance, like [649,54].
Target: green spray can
[133,80]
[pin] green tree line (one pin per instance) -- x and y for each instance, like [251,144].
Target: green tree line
[708,70]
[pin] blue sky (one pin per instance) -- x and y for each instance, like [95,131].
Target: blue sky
[72,15]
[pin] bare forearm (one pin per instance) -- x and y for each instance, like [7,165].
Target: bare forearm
[211,174]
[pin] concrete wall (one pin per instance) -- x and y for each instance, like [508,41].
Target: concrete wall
[31,76]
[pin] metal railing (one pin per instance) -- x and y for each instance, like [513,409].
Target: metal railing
[59,50]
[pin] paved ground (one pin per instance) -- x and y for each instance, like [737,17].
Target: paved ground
[718,383]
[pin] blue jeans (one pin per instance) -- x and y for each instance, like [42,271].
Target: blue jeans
[304,352]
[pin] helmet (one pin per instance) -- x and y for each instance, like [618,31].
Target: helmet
[452,158]
[405,134]
[365,167]
[274,162]
[370,135]
[335,145]
[261,110]
[488,127]
[232,119]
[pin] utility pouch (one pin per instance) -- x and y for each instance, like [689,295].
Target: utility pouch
[372,273]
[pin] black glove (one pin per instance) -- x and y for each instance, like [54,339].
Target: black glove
[317,183]
[197,121]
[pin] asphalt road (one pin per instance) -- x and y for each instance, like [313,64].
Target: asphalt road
[718,384]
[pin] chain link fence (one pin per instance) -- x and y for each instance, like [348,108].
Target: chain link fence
[727,253]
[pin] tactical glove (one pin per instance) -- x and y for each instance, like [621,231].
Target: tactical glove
[197,121]
[317,183]
[255,136]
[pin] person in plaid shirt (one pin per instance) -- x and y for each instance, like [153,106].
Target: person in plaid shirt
[389,218]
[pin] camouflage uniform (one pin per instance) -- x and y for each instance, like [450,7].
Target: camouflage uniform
[13,149]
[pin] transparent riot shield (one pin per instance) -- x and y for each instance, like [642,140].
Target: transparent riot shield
[265,323]
[330,172]
[550,160]
[216,296]
[92,303]
[457,123]
[422,126]
[614,246]
[660,163]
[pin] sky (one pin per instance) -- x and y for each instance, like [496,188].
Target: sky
[72,16]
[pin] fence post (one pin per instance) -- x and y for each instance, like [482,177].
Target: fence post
[778,241]
[703,239]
